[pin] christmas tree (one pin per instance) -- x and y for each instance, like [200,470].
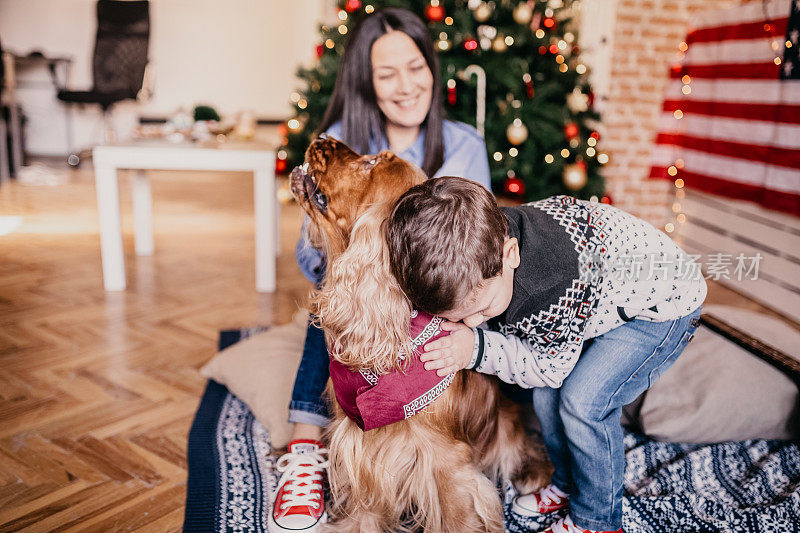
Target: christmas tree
[519,61]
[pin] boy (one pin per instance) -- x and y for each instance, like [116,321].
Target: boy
[586,304]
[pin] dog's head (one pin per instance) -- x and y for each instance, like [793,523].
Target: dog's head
[360,306]
[336,186]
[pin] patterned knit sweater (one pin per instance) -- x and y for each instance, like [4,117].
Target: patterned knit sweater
[585,269]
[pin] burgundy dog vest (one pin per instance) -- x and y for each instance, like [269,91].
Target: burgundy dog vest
[373,400]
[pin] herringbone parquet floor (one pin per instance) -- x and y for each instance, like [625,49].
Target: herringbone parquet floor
[98,390]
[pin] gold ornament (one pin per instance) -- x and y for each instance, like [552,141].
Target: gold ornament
[517,132]
[499,44]
[523,13]
[575,176]
[577,101]
[482,12]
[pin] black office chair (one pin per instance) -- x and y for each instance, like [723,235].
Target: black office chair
[5,163]
[119,65]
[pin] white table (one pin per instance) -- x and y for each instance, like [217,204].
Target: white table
[148,155]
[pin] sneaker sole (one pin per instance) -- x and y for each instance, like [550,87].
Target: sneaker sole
[275,528]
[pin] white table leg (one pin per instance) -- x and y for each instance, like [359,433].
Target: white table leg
[264,193]
[277,204]
[105,177]
[142,214]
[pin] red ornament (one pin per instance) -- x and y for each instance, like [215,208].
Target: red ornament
[594,135]
[571,130]
[470,44]
[553,48]
[514,186]
[320,50]
[280,165]
[451,92]
[529,89]
[549,23]
[434,12]
[543,50]
[606,200]
[352,5]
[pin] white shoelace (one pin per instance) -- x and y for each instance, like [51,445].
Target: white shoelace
[549,495]
[293,466]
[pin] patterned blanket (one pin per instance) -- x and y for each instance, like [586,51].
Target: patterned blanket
[736,487]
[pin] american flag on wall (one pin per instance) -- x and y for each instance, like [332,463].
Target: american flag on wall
[731,115]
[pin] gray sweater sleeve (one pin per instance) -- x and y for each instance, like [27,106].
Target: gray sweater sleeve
[518,361]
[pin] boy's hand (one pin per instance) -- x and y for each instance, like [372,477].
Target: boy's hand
[451,353]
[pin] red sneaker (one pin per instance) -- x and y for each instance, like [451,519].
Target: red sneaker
[566,525]
[547,500]
[299,504]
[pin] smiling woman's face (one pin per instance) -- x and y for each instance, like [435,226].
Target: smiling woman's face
[402,80]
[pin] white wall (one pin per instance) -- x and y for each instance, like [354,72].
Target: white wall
[235,55]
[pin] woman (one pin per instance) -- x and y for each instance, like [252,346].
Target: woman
[387,96]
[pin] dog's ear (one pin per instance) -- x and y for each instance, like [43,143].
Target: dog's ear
[365,314]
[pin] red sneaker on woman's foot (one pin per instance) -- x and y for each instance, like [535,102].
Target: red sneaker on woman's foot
[299,504]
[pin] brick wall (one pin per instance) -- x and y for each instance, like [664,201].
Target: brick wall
[646,39]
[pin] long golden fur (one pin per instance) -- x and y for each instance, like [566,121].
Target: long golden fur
[436,471]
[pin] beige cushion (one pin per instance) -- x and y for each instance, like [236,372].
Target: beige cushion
[260,371]
[717,391]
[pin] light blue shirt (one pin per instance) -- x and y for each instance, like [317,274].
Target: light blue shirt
[464,156]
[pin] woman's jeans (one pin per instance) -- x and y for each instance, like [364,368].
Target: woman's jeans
[308,405]
[581,420]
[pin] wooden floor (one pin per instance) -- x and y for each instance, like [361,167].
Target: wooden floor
[98,390]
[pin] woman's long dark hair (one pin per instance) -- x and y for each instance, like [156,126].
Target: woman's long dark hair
[353,101]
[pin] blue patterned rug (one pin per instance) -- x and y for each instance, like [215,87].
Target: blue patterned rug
[736,487]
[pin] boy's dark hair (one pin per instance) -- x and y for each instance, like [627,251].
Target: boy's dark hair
[445,236]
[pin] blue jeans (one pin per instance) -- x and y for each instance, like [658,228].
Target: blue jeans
[581,420]
[308,405]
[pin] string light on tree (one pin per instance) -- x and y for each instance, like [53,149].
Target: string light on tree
[443,43]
